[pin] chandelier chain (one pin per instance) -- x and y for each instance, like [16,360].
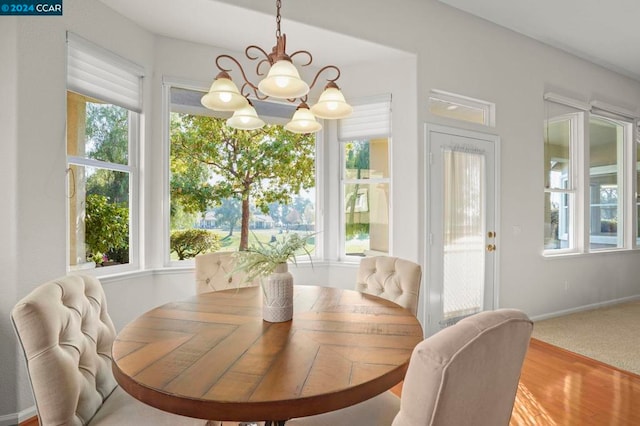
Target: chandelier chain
[278,19]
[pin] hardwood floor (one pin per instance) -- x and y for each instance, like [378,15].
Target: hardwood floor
[560,388]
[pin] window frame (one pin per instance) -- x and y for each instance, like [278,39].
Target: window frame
[488,108]
[364,136]
[134,120]
[580,157]
[572,193]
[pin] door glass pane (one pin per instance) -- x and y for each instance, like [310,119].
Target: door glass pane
[464,251]
[605,170]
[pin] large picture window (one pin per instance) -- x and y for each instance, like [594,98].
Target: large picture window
[232,188]
[103,102]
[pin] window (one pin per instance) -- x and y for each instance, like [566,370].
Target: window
[462,108]
[606,182]
[365,147]
[222,180]
[602,191]
[562,136]
[103,102]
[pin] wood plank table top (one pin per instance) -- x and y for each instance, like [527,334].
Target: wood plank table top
[213,357]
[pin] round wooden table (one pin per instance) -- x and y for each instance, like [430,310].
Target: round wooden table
[213,357]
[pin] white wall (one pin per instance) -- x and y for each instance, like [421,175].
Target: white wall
[8,215]
[32,215]
[451,51]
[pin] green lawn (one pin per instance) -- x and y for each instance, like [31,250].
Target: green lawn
[263,235]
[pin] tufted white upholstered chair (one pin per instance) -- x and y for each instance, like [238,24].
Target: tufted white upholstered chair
[66,334]
[213,273]
[466,374]
[393,278]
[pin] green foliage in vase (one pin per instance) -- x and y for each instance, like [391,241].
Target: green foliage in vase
[261,259]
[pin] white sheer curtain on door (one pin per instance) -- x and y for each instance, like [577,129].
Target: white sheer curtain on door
[464,223]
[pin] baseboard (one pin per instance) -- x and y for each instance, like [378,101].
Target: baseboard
[9,420]
[17,418]
[585,308]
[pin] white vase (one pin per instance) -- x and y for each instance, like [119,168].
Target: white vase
[277,297]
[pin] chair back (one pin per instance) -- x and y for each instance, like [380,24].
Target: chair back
[67,334]
[393,278]
[213,273]
[467,374]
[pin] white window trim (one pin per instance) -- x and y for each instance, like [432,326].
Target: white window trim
[386,98]
[627,236]
[577,126]
[489,108]
[119,67]
[134,203]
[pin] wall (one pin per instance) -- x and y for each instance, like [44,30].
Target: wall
[8,214]
[450,51]
[32,216]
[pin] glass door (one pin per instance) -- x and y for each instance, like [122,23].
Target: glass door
[462,245]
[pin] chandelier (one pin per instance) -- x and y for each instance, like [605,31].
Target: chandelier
[281,82]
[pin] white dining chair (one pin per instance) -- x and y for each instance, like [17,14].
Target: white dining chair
[466,374]
[66,335]
[392,278]
[215,271]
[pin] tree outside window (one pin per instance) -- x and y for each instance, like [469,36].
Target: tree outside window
[238,183]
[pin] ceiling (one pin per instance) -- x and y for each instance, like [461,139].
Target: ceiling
[233,28]
[603,32]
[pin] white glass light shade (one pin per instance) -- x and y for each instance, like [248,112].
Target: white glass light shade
[223,95]
[332,104]
[283,81]
[303,121]
[245,119]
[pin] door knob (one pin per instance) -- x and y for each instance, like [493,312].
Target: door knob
[491,247]
[491,234]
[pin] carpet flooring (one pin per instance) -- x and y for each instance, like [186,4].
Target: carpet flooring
[610,334]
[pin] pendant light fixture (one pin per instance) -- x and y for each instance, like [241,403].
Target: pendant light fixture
[281,82]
